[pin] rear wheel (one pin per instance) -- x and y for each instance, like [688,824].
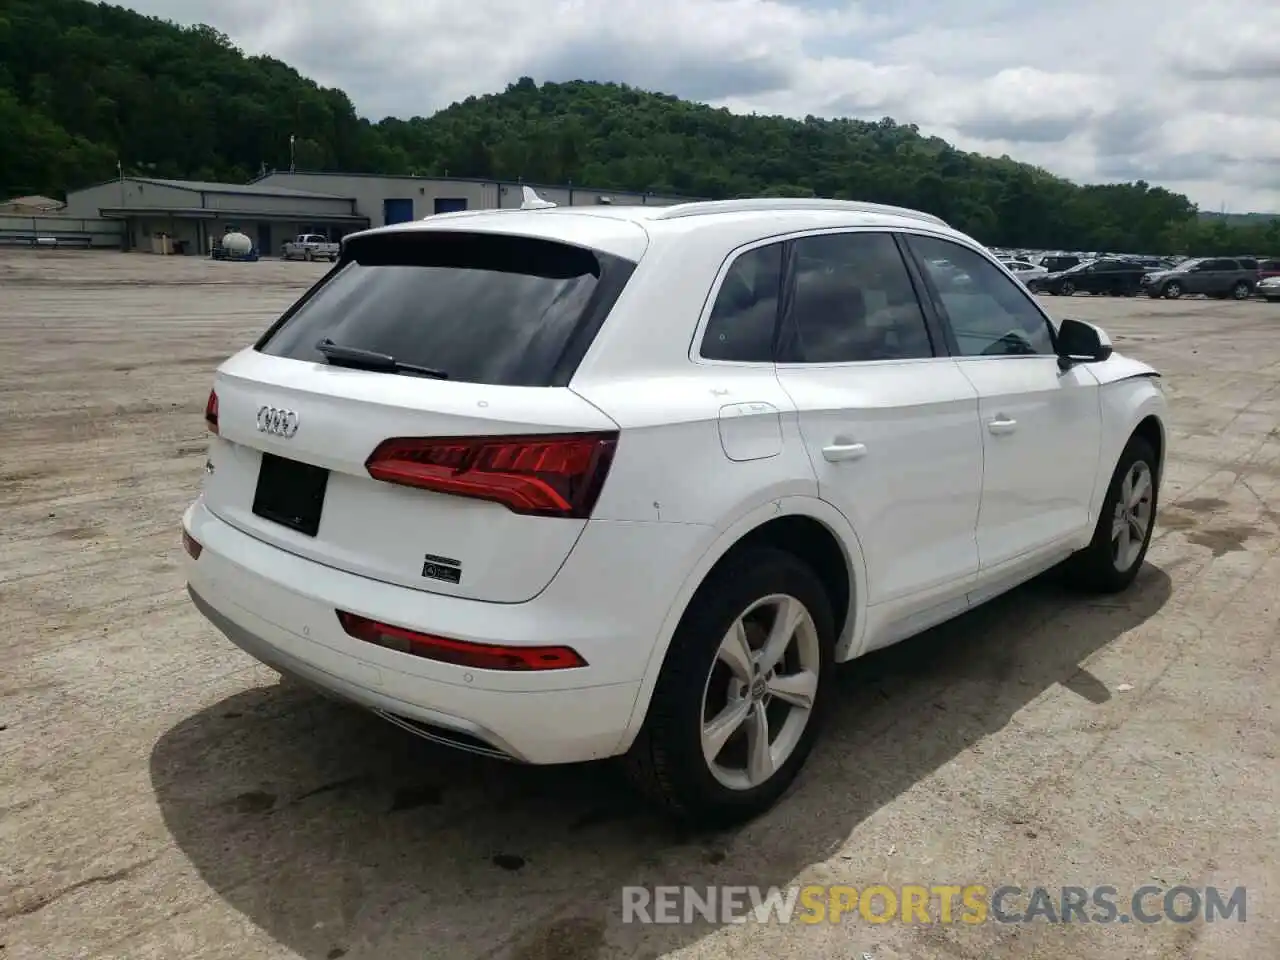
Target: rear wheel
[1240,291]
[1123,533]
[740,697]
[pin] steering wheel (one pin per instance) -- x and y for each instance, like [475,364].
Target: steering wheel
[1013,342]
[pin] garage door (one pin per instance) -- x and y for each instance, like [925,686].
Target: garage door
[397,211]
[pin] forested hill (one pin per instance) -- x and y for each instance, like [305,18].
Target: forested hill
[83,86]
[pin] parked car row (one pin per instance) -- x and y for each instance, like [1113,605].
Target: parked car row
[1122,278]
[1236,277]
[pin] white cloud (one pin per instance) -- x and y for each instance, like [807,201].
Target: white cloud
[1179,94]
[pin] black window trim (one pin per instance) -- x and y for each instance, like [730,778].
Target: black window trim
[615,272]
[787,329]
[940,339]
[699,335]
[934,295]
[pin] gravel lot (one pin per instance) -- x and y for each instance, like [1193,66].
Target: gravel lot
[163,796]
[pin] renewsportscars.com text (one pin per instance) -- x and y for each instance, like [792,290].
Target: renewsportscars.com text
[940,903]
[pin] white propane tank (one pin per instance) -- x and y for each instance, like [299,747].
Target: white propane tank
[237,244]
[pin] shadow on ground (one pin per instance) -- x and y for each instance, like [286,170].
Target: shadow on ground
[340,835]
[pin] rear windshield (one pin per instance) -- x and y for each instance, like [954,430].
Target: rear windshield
[482,308]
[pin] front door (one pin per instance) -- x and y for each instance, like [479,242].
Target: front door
[890,422]
[1041,427]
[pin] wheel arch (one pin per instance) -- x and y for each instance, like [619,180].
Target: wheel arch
[806,526]
[1131,407]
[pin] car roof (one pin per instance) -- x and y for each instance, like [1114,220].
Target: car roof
[625,230]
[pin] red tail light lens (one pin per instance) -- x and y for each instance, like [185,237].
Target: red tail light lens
[482,656]
[191,545]
[547,475]
[211,412]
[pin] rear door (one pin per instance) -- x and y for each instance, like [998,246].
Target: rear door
[477,485]
[890,423]
[1041,427]
[1216,276]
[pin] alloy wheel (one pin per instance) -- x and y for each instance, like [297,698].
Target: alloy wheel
[760,692]
[1132,517]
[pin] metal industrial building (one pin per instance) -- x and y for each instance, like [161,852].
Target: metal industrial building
[184,216]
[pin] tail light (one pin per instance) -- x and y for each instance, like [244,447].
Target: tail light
[547,475]
[191,545]
[482,656]
[211,412]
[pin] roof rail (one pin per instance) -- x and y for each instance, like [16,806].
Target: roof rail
[752,204]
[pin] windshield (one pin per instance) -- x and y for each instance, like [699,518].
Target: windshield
[1187,264]
[1079,267]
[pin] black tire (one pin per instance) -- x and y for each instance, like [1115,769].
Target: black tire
[1241,291]
[1172,290]
[666,762]
[1068,289]
[1095,568]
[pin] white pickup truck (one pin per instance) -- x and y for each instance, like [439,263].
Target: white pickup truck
[310,246]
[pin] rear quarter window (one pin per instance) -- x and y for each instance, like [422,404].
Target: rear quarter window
[484,308]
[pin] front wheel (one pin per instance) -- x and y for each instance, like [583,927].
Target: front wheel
[740,698]
[1068,288]
[1125,523]
[1173,289]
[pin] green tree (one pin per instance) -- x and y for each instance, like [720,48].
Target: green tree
[84,84]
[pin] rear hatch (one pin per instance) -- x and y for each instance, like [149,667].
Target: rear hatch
[465,468]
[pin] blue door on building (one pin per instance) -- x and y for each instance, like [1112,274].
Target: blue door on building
[450,204]
[397,211]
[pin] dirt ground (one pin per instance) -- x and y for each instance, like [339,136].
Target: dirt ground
[162,796]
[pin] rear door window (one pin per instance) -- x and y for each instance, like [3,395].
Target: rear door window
[853,302]
[482,308]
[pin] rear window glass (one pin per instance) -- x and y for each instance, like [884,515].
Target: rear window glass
[482,308]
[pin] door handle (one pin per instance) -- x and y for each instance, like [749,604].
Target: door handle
[1002,424]
[836,452]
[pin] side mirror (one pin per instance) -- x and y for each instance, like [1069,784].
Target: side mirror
[1080,342]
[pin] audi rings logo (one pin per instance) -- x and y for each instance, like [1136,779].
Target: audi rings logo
[277,422]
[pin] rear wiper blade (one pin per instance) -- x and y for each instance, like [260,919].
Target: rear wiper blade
[340,355]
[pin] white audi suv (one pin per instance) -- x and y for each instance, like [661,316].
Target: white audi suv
[564,484]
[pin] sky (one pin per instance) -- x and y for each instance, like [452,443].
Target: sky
[1182,94]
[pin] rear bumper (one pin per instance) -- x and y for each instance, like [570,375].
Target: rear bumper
[280,609]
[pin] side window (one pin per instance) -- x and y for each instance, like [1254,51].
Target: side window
[746,308]
[854,302]
[989,313]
